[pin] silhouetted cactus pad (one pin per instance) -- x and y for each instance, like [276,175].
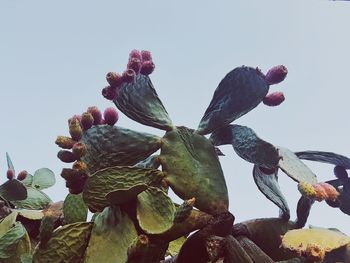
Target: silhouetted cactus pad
[13,190]
[36,199]
[112,234]
[109,146]
[268,185]
[155,211]
[294,168]
[67,244]
[192,169]
[240,91]
[247,145]
[74,209]
[139,101]
[43,178]
[100,184]
[325,157]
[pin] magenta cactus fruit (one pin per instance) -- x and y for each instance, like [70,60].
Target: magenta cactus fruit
[276,74]
[79,149]
[96,114]
[274,99]
[10,174]
[66,156]
[134,64]
[22,175]
[147,67]
[65,142]
[114,79]
[110,93]
[146,55]
[332,193]
[86,120]
[135,54]
[129,75]
[110,116]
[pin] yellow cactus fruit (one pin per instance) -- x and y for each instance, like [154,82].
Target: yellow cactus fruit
[74,129]
[307,189]
[65,142]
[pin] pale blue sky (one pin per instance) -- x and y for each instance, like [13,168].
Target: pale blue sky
[54,57]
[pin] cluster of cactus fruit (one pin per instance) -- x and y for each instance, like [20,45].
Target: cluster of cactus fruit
[123,177]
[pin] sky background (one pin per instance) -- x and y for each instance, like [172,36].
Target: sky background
[54,57]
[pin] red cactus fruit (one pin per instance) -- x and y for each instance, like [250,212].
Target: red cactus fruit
[134,64]
[66,156]
[332,193]
[110,93]
[10,174]
[86,120]
[78,117]
[79,149]
[274,99]
[321,194]
[276,74]
[114,79]
[96,114]
[22,175]
[146,55]
[129,75]
[110,116]
[135,54]
[65,142]
[75,130]
[80,166]
[147,67]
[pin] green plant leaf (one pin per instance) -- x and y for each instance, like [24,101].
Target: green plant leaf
[36,199]
[325,157]
[43,178]
[139,101]
[9,162]
[10,241]
[7,222]
[74,209]
[13,190]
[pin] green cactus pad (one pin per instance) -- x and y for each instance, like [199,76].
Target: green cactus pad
[105,181]
[247,145]
[109,146]
[13,190]
[155,211]
[74,209]
[47,227]
[43,178]
[175,246]
[30,214]
[112,234]
[294,168]
[36,200]
[125,195]
[241,90]
[303,210]
[7,222]
[67,244]
[192,169]
[325,157]
[268,185]
[28,180]
[139,101]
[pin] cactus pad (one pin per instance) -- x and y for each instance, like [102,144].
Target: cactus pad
[74,209]
[13,190]
[325,157]
[122,196]
[109,146]
[36,200]
[43,178]
[155,211]
[192,169]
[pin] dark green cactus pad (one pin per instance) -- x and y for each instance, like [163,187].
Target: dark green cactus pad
[155,211]
[139,101]
[241,90]
[7,222]
[108,180]
[150,162]
[74,209]
[247,145]
[13,190]
[303,210]
[175,246]
[47,227]
[291,165]
[67,244]
[192,169]
[183,211]
[122,196]
[112,234]
[9,162]
[36,199]
[325,157]
[43,178]
[268,185]
[109,146]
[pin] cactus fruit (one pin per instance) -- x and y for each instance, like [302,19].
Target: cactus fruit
[128,75]
[147,67]
[146,55]
[110,93]
[65,142]
[79,149]
[96,114]
[276,74]
[75,130]
[318,191]
[110,116]
[134,64]
[87,120]
[22,175]
[66,156]
[114,79]
[331,193]
[274,99]
[307,189]
[10,174]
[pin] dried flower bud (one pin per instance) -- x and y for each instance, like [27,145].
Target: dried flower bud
[75,130]
[110,116]
[147,67]
[332,193]
[86,120]
[66,156]
[134,64]
[96,114]
[135,54]
[129,75]
[307,190]
[276,74]
[22,175]
[80,166]
[320,192]
[65,142]
[10,174]
[274,99]
[146,55]
[114,79]
[340,172]
[110,93]
[79,149]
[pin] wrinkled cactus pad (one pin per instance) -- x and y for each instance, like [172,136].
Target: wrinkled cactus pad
[189,160]
[74,209]
[36,200]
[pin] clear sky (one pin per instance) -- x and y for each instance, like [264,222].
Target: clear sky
[54,56]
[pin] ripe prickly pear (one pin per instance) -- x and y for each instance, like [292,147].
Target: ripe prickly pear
[65,142]
[321,194]
[135,54]
[96,114]
[128,75]
[276,74]
[66,156]
[110,93]
[147,67]
[274,99]
[332,193]
[114,79]
[80,166]
[86,120]
[307,189]
[75,130]
[79,149]
[10,174]
[146,55]
[134,64]
[110,116]
[22,175]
